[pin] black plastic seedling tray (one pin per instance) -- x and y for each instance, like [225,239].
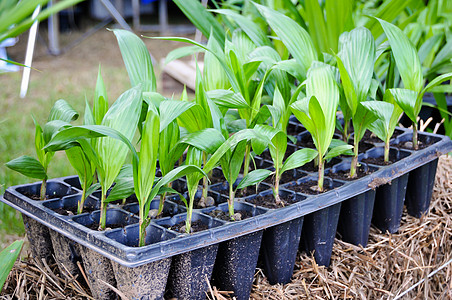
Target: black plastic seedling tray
[111,243]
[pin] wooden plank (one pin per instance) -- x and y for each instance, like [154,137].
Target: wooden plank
[184,72]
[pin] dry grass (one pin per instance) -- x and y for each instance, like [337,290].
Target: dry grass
[388,267]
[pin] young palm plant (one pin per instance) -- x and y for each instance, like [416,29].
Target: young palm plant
[408,64]
[109,151]
[356,64]
[317,112]
[234,63]
[144,169]
[280,114]
[60,115]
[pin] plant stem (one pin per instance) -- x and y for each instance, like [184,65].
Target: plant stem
[415,141]
[103,211]
[142,234]
[189,212]
[386,156]
[321,174]
[354,163]
[144,222]
[345,131]
[81,203]
[162,199]
[231,201]
[276,188]
[42,195]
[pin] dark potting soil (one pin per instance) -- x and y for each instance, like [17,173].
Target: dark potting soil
[309,167]
[196,226]
[251,190]
[196,203]
[379,161]
[344,175]
[294,130]
[408,145]
[268,201]
[285,178]
[130,199]
[224,215]
[370,137]
[363,146]
[95,226]
[307,187]
[71,211]
[37,197]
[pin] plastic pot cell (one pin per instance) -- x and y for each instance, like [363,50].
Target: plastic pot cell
[319,230]
[99,271]
[279,250]
[147,281]
[38,234]
[66,255]
[355,218]
[389,200]
[39,237]
[419,189]
[234,268]
[191,271]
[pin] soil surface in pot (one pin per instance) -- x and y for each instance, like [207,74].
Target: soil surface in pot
[285,178]
[224,215]
[129,200]
[268,201]
[344,175]
[294,130]
[72,211]
[309,167]
[196,226]
[379,161]
[408,145]
[363,146]
[251,190]
[196,203]
[307,187]
[95,226]
[37,197]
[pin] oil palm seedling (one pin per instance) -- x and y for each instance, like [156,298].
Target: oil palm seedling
[230,156]
[387,113]
[234,63]
[317,112]
[144,169]
[277,150]
[406,58]
[109,151]
[356,64]
[60,115]
[202,114]
[227,153]
[280,114]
